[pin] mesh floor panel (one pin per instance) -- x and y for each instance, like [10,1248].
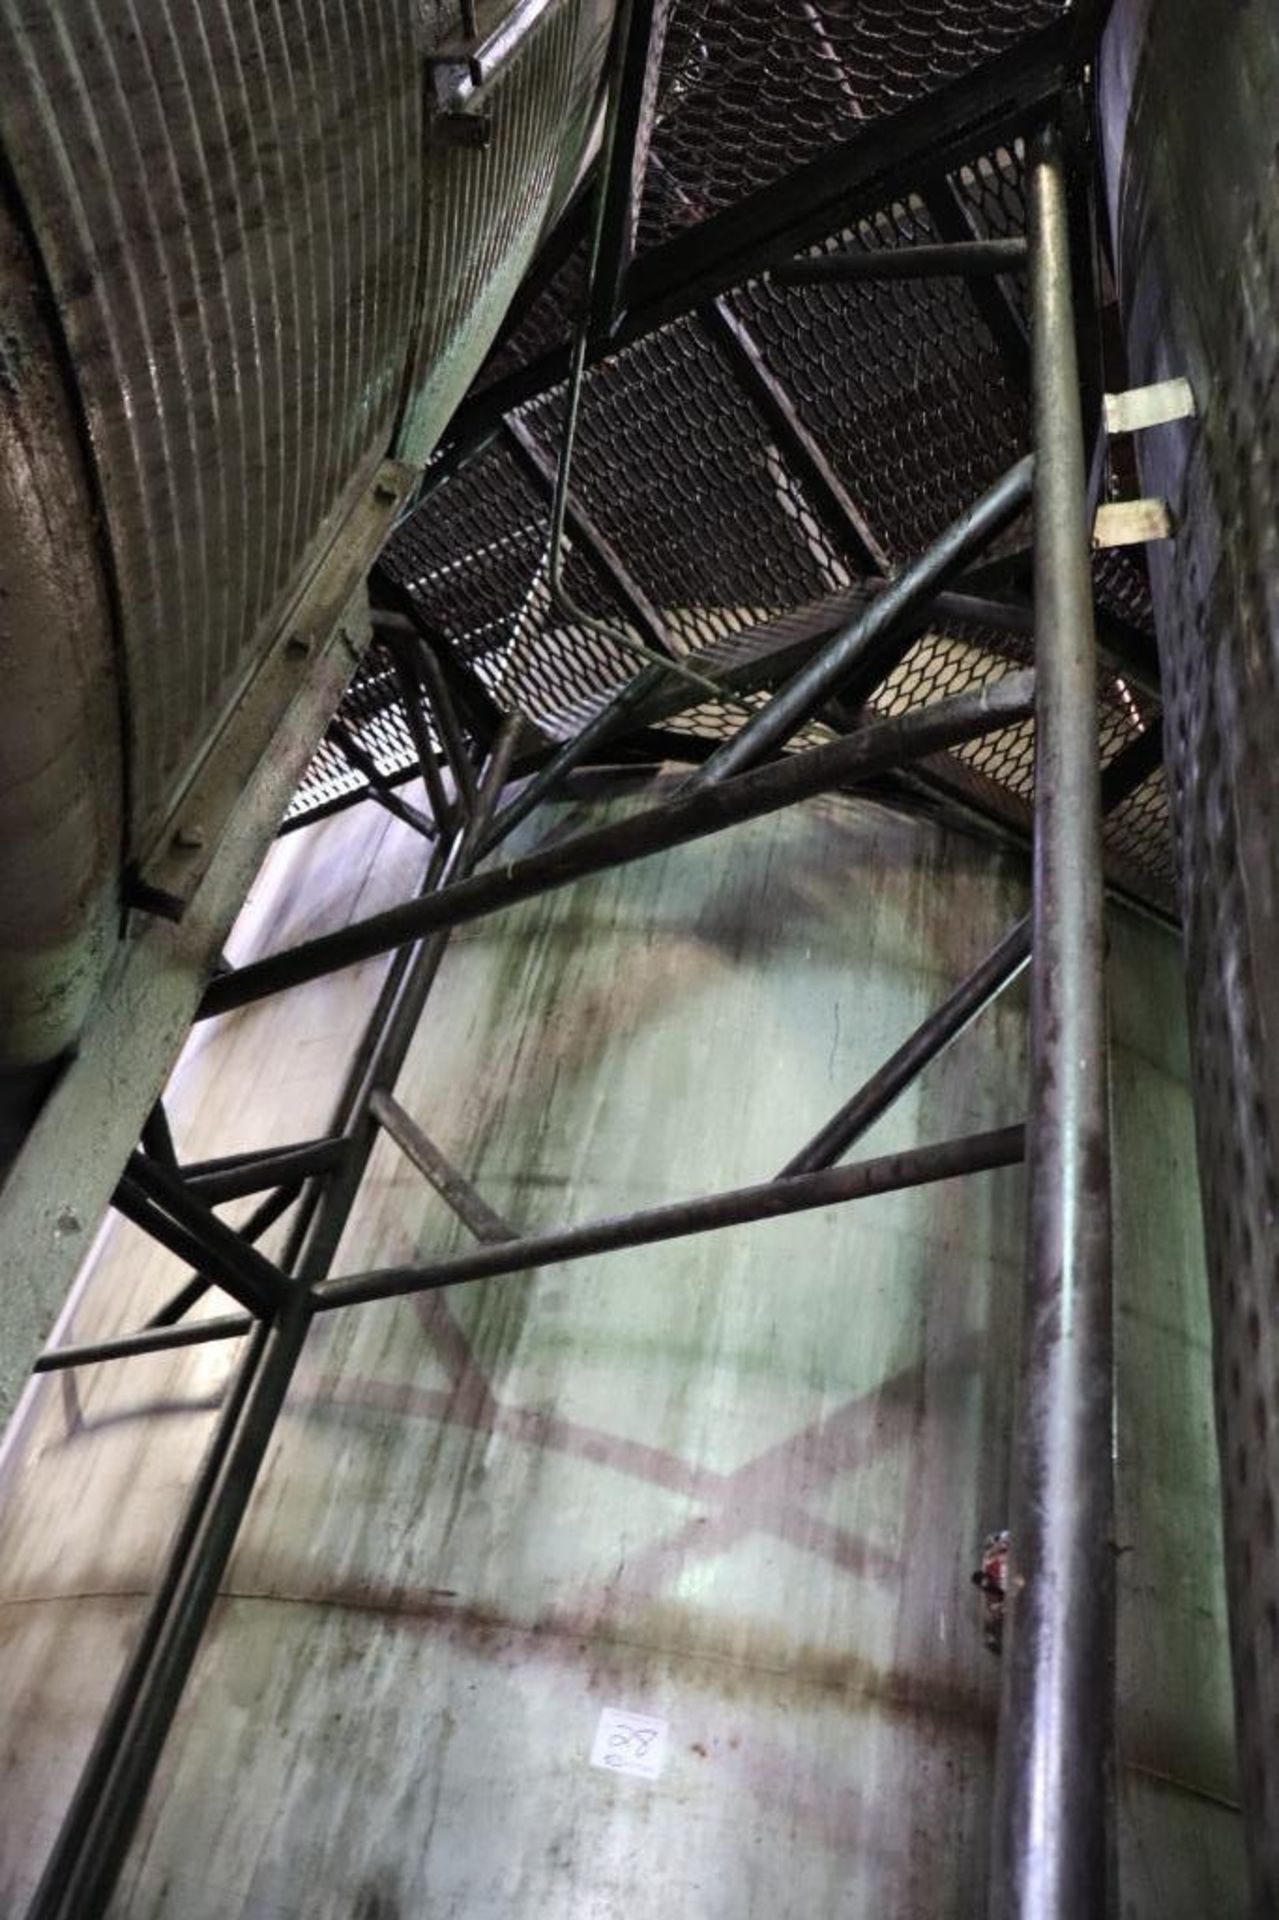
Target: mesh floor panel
[751,89]
[913,392]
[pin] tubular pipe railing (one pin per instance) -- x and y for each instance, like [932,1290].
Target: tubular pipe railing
[1049,1855]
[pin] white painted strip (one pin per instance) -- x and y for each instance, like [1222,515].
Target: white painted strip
[1130,523]
[1149,406]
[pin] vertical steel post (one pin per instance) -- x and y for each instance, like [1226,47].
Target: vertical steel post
[1051,1820]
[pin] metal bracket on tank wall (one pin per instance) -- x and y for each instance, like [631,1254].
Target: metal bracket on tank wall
[176,868]
[462,71]
[1131,523]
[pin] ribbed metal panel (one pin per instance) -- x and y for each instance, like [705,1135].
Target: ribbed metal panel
[60,795]
[487,206]
[1190,119]
[226,200]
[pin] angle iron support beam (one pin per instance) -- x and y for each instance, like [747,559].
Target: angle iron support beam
[641,33]
[955,224]
[906,152]
[591,539]
[391,1028]
[605,722]
[872,1100]
[479,712]
[217,1181]
[227,1326]
[920,1166]
[874,749]
[263,1217]
[1131,768]
[95,1112]
[257,1283]
[1055,1749]
[403,654]
[453,1187]
[130,1201]
[964,257]
[863,649]
[379,787]
[821,485]
[157,1138]
[435,682]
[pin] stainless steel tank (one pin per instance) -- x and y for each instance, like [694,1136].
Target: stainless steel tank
[246,254]
[736,1484]
[1190,103]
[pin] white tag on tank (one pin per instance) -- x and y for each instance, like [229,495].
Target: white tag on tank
[630,1743]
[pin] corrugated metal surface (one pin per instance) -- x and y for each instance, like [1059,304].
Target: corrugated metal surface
[1194,183]
[60,774]
[252,261]
[738,1481]
[488,207]
[227,205]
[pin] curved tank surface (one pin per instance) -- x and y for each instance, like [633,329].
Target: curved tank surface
[737,1484]
[1190,106]
[243,262]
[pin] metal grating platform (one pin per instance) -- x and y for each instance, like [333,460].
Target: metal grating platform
[751,90]
[908,398]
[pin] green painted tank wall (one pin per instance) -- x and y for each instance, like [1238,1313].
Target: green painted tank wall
[738,1482]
